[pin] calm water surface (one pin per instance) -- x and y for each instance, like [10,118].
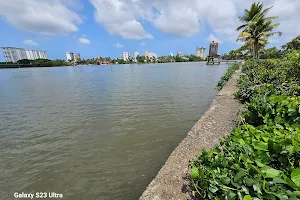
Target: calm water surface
[96,132]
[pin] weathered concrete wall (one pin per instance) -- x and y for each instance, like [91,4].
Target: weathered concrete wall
[217,121]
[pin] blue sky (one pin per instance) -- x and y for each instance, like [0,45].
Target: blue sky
[108,27]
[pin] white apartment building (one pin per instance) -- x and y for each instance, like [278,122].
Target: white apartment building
[36,54]
[150,54]
[43,54]
[125,56]
[76,56]
[171,54]
[200,52]
[70,56]
[135,54]
[178,54]
[12,54]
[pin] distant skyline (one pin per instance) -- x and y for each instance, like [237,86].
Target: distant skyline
[108,27]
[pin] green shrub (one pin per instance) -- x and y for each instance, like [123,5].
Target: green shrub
[270,77]
[227,76]
[282,110]
[260,159]
[256,163]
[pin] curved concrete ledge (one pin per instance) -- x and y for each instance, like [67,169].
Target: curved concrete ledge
[217,121]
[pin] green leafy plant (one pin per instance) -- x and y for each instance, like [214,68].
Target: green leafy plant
[253,162]
[270,77]
[260,159]
[227,76]
[282,110]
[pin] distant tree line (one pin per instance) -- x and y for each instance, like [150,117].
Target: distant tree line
[43,62]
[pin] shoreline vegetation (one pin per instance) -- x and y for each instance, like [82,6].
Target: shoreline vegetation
[98,61]
[227,76]
[260,158]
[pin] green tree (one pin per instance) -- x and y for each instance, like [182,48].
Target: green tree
[292,45]
[24,62]
[59,62]
[270,53]
[179,59]
[42,63]
[140,59]
[257,28]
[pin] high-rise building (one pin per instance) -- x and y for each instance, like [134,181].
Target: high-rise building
[200,52]
[213,49]
[125,56]
[135,54]
[12,54]
[76,56]
[70,56]
[178,54]
[171,54]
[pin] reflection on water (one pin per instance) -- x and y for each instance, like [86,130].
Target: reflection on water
[96,132]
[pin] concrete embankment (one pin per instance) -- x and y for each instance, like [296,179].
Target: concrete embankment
[217,121]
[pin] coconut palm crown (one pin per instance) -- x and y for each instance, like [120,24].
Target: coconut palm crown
[257,27]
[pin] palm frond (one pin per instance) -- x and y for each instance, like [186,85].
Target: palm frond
[241,27]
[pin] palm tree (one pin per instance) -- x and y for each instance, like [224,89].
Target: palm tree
[257,28]
[249,42]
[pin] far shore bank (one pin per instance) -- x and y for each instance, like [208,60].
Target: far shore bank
[7,66]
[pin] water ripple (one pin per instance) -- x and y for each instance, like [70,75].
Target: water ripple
[96,133]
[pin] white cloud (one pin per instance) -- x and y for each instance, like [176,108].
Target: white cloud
[75,4]
[211,38]
[142,44]
[84,40]
[30,42]
[177,20]
[118,45]
[126,18]
[40,16]
[289,15]
[118,19]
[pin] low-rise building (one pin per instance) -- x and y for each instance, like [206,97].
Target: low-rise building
[36,54]
[13,54]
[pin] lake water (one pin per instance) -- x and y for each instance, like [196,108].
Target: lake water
[96,132]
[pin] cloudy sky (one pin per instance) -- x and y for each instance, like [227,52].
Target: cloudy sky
[108,27]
